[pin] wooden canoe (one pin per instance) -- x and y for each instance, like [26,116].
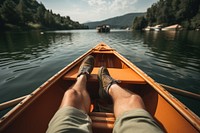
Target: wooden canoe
[33,114]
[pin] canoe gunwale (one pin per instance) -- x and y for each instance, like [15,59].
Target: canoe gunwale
[181,108]
[19,108]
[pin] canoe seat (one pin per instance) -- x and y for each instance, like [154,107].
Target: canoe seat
[102,122]
[125,75]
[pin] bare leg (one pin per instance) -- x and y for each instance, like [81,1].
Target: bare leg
[124,100]
[77,96]
[70,119]
[137,120]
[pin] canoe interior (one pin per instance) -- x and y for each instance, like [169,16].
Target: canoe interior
[36,112]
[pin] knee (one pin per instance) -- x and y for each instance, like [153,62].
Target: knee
[71,98]
[136,100]
[72,94]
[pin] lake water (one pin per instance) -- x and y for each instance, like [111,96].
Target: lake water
[27,59]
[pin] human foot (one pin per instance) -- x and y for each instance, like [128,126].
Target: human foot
[105,82]
[86,66]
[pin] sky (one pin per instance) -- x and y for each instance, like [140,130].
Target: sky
[96,10]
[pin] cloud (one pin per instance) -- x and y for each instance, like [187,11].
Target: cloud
[97,2]
[110,8]
[95,10]
[119,4]
[122,5]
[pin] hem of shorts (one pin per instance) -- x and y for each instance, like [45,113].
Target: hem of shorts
[128,112]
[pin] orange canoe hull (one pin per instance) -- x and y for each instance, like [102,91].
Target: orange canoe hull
[33,114]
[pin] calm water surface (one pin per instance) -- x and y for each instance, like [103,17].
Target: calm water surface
[27,59]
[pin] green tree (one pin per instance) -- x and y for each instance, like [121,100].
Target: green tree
[9,14]
[25,14]
[195,22]
[169,12]
[46,18]
[139,23]
[39,16]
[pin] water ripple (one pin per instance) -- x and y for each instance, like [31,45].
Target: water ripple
[18,65]
[25,68]
[169,58]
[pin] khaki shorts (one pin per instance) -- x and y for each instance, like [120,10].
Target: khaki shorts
[137,121]
[72,120]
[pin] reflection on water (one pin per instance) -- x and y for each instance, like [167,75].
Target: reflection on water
[177,55]
[182,51]
[24,56]
[27,59]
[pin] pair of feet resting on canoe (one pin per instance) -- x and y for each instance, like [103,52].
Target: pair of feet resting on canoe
[129,108]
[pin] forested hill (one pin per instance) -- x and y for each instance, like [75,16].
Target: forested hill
[29,14]
[116,22]
[168,12]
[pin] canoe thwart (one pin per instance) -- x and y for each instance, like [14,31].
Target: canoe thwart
[124,75]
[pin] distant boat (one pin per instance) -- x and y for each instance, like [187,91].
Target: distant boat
[103,28]
[154,28]
[128,28]
[173,27]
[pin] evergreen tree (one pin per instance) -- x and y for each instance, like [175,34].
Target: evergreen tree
[9,14]
[22,9]
[28,13]
[39,16]
[139,23]
[167,12]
